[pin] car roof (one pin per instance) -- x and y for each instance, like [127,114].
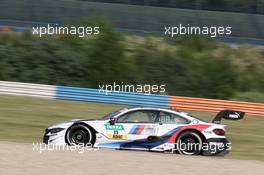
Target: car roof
[148,108]
[184,114]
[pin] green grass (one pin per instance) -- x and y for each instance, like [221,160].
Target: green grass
[23,119]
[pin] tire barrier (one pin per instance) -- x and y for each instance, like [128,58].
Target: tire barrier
[127,98]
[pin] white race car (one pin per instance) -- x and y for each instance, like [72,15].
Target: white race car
[145,128]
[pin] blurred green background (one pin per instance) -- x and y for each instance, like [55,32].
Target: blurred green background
[131,49]
[251,6]
[139,19]
[188,66]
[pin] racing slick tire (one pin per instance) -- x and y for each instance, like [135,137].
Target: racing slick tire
[80,134]
[189,143]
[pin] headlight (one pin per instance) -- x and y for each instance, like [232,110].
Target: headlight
[56,130]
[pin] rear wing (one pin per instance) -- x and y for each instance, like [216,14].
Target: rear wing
[229,115]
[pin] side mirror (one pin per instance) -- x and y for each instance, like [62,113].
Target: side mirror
[111,121]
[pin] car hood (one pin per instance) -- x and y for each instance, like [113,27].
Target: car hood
[69,123]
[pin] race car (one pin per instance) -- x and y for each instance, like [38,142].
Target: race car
[146,128]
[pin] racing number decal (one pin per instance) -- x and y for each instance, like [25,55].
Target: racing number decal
[115,132]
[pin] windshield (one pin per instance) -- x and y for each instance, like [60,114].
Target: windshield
[111,115]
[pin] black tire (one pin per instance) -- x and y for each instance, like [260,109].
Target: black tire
[189,143]
[80,134]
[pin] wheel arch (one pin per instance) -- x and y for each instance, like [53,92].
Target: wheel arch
[193,130]
[81,123]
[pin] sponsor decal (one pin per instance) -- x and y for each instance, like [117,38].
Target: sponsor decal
[234,116]
[118,137]
[137,129]
[114,127]
[115,132]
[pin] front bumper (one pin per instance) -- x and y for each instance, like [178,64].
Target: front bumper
[46,137]
[56,138]
[216,146]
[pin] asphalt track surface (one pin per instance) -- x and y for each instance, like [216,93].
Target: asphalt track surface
[20,159]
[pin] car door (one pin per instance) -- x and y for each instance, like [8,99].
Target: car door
[138,124]
[131,130]
[169,122]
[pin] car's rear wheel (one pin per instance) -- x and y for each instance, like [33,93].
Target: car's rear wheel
[189,143]
[80,134]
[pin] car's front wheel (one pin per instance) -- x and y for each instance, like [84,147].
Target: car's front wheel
[189,143]
[80,134]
